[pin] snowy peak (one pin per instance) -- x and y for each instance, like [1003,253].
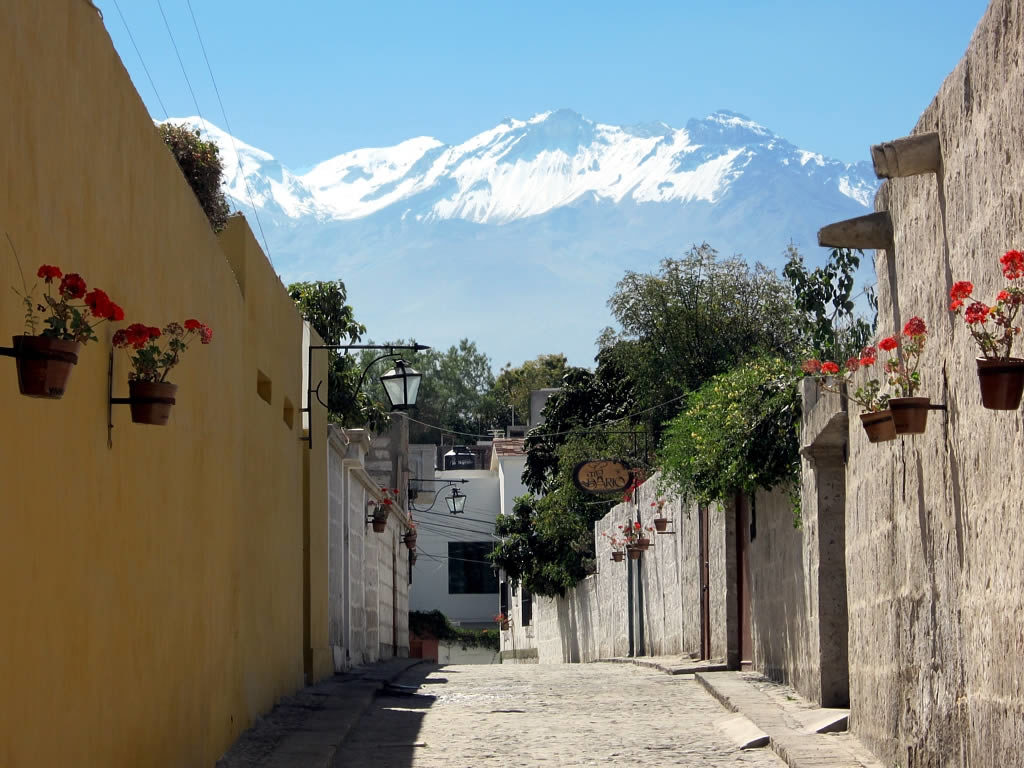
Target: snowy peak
[523,168]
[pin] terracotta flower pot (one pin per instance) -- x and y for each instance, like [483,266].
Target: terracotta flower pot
[617,557]
[634,551]
[1002,383]
[380,524]
[660,524]
[152,401]
[879,426]
[642,544]
[909,414]
[410,541]
[44,365]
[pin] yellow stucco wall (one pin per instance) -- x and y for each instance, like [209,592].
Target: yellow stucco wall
[151,594]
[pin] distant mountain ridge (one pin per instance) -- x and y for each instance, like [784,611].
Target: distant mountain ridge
[539,216]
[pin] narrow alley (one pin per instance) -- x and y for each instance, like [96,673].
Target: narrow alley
[541,715]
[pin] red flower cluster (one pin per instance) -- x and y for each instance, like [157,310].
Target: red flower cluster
[867,356]
[49,273]
[136,335]
[914,327]
[853,364]
[102,307]
[829,368]
[205,335]
[811,366]
[72,286]
[961,290]
[1013,264]
[889,343]
[976,313]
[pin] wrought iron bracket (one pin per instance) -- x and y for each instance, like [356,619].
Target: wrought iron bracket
[112,401]
[312,391]
[937,407]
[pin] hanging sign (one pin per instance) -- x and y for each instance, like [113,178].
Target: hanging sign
[602,476]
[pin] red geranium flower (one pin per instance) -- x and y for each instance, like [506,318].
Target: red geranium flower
[868,360]
[961,290]
[853,364]
[914,327]
[98,303]
[193,325]
[48,273]
[829,367]
[116,313]
[637,526]
[1003,296]
[811,366]
[153,331]
[72,286]
[120,338]
[976,313]
[955,305]
[889,343]
[1013,264]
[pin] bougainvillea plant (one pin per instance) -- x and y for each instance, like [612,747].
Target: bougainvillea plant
[995,341]
[903,374]
[831,376]
[154,352]
[74,310]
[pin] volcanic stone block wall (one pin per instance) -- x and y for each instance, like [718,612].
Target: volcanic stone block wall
[934,549]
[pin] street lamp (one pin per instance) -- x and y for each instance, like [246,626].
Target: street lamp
[456,502]
[401,384]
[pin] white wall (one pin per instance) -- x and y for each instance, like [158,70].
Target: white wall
[436,529]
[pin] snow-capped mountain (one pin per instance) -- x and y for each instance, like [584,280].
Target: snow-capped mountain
[535,218]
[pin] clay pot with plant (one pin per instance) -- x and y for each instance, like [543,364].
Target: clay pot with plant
[994,329]
[617,545]
[660,521]
[875,416]
[153,354]
[909,412]
[48,350]
[381,509]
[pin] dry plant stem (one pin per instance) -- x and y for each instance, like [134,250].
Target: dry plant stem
[838,391]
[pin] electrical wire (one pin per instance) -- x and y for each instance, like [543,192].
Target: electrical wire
[227,125]
[142,61]
[448,557]
[454,517]
[181,63]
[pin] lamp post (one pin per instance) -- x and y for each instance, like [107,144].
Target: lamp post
[401,384]
[456,501]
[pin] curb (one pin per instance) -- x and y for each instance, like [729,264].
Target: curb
[668,669]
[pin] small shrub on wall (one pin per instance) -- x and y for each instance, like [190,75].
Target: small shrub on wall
[204,170]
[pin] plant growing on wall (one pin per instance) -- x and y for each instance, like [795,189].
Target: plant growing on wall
[203,169]
[1000,375]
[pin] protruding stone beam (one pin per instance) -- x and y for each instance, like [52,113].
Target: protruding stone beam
[908,156]
[871,231]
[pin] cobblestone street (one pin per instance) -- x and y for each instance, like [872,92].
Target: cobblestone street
[539,715]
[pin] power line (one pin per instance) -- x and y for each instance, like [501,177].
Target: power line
[182,65]
[142,61]
[227,125]
[447,557]
[454,517]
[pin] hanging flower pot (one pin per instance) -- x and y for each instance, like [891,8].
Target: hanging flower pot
[44,365]
[909,414]
[634,551]
[380,522]
[879,426]
[151,401]
[617,557]
[1002,383]
[642,544]
[410,539]
[660,524]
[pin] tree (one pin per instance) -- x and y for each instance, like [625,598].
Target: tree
[823,297]
[204,170]
[322,304]
[511,390]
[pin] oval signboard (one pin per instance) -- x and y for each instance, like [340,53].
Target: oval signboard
[602,476]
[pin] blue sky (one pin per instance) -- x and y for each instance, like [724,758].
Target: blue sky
[308,80]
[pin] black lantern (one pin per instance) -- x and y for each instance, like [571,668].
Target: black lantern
[456,502]
[402,384]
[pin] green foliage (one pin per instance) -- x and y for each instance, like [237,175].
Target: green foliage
[738,433]
[204,170]
[823,297]
[437,624]
[512,388]
[322,304]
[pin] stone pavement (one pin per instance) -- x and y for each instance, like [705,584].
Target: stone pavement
[304,730]
[544,715]
[783,715]
[671,665]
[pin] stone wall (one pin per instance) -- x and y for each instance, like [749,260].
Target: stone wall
[933,551]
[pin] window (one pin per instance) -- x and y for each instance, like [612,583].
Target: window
[527,607]
[469,572]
